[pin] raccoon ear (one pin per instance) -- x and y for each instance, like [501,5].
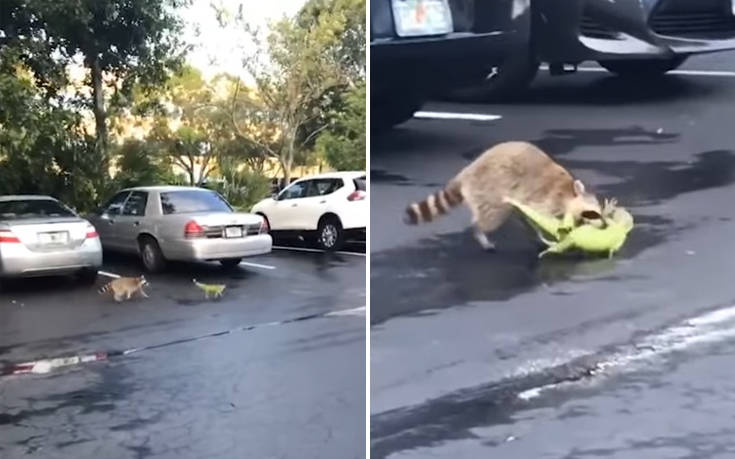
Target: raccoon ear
[579,188]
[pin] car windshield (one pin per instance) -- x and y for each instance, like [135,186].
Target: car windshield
[190,201]
[360,183]
[33,208]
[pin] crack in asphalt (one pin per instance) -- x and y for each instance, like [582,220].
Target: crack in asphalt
[49,364]
[453,416]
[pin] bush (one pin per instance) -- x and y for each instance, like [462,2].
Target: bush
[242,188]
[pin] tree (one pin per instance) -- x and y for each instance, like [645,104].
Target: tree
[343,145]
[121,44]
[300,64]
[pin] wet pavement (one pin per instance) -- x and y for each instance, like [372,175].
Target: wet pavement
[479,354]
[273,369]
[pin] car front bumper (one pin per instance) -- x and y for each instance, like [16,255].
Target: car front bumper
[217,248]
[17,261]
[484,34]
[577,30]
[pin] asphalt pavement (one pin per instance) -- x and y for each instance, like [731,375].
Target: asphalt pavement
[477,354]
[273,369]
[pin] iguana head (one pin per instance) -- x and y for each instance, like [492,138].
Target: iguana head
[615,215]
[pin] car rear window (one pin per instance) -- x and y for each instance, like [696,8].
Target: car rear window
[190,201]
[33,208]
[360,183]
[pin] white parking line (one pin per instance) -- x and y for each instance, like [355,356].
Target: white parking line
[714,73]
[304,249]
[257,265]
[358,311]
[112,275]
[455,116]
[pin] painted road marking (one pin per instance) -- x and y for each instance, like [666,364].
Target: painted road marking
[257,265]
[112,275]
[714,73]
[455,116]
[711,327]
[304,249]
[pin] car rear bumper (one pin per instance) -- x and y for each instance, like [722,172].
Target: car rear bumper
[17,261]
[217,249]
[602,30]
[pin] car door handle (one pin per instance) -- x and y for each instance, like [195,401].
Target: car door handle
[136,223]
[110,222]
[294,205]
[322,202]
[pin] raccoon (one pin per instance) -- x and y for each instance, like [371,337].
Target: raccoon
[517,170]
[125,287]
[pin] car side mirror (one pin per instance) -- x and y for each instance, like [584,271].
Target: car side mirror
[275,196]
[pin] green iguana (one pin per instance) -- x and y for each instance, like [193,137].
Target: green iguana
[214,290]
[608,238]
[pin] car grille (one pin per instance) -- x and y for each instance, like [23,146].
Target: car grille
[588,27]
[701,18]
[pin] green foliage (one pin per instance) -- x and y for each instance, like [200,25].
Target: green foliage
[343,145]
[242,188]
[136,42]
[304,64]
[140,164]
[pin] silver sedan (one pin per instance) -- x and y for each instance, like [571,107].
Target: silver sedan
[40,236]
[162,223]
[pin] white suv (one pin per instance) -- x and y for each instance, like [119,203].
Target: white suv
[330,206]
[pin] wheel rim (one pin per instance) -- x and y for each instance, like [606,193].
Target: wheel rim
[148,256]
[329,235]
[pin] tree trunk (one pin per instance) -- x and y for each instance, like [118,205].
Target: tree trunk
[100,115]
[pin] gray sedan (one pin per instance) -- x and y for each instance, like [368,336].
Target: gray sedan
[163,223]
[39,236]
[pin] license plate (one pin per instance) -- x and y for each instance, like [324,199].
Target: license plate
[55,238]
[233,231]
[422,17]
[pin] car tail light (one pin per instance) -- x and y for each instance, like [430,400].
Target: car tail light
[91,232]
[264,229]
[357,195]
[7,237]
[193,230]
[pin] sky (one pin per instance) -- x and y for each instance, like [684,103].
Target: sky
[219,50]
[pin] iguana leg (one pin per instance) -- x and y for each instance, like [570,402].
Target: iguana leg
[559,247]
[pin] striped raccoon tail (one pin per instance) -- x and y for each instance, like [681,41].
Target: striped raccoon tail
[105,288]
[434,205]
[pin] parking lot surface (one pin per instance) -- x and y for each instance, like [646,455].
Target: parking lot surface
[478,354]
[273,369]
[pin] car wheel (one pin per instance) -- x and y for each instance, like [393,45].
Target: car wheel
[330,234]
[643,67]
[88,275]
[501,82]
[392,109]
[151,255]
[230,263]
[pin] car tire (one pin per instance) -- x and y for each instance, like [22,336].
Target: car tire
[389,110]
[502,83]
[230,263]
[88,276]
[151,255]
[329,234]
[643,67]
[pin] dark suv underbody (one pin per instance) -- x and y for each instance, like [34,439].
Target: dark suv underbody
[627,37]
